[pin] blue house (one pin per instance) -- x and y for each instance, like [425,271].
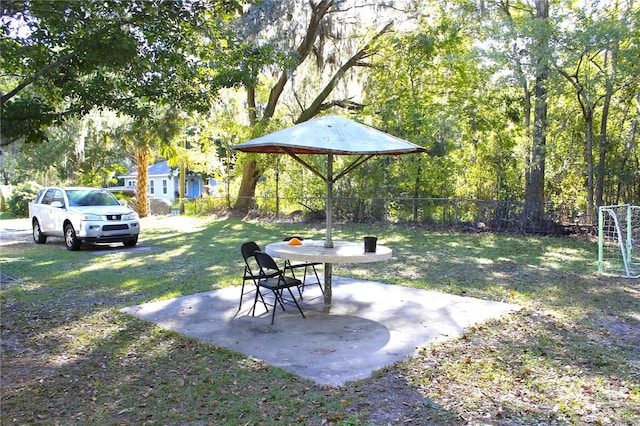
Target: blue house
[164,182]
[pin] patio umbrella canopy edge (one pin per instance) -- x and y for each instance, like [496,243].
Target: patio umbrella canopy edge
[330,134]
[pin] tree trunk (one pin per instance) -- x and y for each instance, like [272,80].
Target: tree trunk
[588,140]
[587,109]
[600,171]
[247,191]
[416,192]
[183,185]
[633,189]
[534,196]
[527,127]
[603,130]
[141,158]
[183,178]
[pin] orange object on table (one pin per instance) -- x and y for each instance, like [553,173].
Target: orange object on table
[295,242]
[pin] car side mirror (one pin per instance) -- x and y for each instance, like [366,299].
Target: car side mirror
[57,204]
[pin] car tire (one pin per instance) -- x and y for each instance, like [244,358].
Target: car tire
[38,236]
[70,239]
[131,243]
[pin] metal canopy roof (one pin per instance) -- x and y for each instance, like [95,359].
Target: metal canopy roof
[330,134]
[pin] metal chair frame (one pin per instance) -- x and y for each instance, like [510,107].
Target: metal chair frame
[248,250]
[274,279]
[292,266]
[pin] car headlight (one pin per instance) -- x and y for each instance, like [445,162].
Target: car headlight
[130,216]
[91,217]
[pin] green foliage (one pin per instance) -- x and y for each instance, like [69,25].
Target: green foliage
[21,196]
[26,119]
[462,86]
[79,151]
[429,87]
[77,55]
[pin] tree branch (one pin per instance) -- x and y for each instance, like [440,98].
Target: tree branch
[26,82]
[319,12]
[342,103]
[53,65]
[365,52]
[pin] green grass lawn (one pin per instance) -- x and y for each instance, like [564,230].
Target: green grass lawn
[571,356]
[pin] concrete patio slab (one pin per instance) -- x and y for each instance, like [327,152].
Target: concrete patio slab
[369,326]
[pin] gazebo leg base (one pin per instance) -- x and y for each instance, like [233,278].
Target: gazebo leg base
[328,272]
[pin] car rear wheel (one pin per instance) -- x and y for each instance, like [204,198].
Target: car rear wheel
[132,242]
[70,239]
[38,236]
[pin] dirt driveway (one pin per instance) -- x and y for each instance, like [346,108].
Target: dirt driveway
[14,229]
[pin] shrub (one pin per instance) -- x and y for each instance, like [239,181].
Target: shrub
[18,201]
[205,205]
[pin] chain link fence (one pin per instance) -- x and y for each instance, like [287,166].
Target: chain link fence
[466,214]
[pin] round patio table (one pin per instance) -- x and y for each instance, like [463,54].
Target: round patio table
[315,251]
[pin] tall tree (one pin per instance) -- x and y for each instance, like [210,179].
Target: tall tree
[509,29]
[301,45]
[143,137]
[593,52]
[418,90]
[521,34]
[429,86]
[534,191]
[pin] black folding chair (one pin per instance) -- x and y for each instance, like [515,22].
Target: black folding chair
[288,266]
[250,274]
[274,279]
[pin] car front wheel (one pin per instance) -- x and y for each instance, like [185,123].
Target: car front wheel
[131,243]
[70,238]
[38,236]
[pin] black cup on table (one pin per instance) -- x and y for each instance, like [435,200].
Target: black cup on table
[370,244]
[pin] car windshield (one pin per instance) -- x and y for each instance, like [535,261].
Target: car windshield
[89,197]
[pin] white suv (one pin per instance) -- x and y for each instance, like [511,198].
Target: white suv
[91,215]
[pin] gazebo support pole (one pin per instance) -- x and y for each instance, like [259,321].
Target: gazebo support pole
[328,267]
[328,241]
[328,270]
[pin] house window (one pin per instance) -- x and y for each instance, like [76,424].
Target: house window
[152,189]
[165,188]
